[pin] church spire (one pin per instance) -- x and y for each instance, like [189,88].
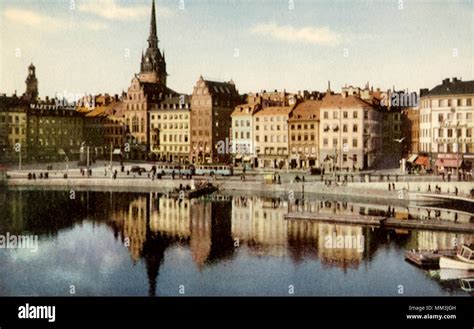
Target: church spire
[153,39]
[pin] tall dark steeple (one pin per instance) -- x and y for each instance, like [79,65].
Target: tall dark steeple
[153,39]
[153,65]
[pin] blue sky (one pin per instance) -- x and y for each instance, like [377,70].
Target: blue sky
[95,46]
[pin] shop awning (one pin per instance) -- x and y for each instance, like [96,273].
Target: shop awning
[117,151]
[449,163]
[61,152]
[412,158]
[246,159]
[238,156]
[422,161]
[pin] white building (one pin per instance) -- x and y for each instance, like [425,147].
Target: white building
[242,134]
[446,125]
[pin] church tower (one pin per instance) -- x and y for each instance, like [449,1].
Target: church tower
[31,84]
[153,65]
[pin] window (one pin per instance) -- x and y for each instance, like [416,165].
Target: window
[468,102]
[355,127]
[440,132]
[344,128]
[325,142]
[334,142]
[326,115]
[236,123]
[366,114]
[450,133]
[468,116]
[248,134]
[459,133]
[334,115]
[344,114]
[344,157]
[469,132]
[354,142]
[354,114]
[354,158]
[459,116]
[459,102]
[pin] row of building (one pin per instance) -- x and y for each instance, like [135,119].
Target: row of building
[356,128]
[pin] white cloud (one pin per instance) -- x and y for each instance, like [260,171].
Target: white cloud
[109,9]
[322,36]
[30,19]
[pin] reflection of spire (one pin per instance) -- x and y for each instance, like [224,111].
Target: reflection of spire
[153,255]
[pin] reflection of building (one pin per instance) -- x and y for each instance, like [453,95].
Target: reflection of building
[171,217]
[259,223]
[135,225]
[434,240]
[350,255]
[447,124]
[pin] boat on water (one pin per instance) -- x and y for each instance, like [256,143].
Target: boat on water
[464,259]
[194,193]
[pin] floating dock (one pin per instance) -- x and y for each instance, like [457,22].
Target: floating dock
[427,258]
[381,221]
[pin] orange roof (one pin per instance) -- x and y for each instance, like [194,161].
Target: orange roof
[307,110]
[338,101]
[275,110]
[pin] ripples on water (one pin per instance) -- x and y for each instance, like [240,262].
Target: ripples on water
[124,244]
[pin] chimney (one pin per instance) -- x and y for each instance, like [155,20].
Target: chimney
[445,81]
[455,79]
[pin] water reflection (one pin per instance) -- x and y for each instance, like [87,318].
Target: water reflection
[236,231]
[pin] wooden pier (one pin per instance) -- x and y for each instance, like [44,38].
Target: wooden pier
[381,221]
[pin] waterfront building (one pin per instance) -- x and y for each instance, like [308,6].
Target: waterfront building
[54,131]
[349,134]
[212,104]
[243,134]
[271,136]
[13,128]
[170,127]
[447,125]
[303,124]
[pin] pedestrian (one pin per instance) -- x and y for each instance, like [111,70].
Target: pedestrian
[389,187]
[456,191]
[393,186]
[429,187]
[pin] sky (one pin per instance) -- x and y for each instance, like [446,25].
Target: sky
[94,46]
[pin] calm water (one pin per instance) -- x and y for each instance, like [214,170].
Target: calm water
[124,244]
